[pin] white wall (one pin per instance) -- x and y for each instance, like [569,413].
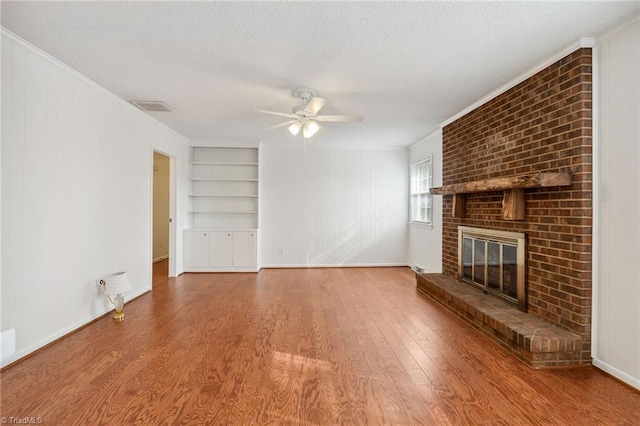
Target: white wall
[616,347]
[76,195]
[425,243]
[329,207]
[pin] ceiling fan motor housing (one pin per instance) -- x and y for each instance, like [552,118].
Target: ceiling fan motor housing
[304,94]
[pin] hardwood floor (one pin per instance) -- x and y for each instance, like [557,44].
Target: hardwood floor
[160,272]
[298,346]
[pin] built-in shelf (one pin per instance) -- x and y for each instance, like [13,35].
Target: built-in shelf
[223,210]
[224,187]
[513,202]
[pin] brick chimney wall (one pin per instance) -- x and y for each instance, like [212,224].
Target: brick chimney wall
[542,124]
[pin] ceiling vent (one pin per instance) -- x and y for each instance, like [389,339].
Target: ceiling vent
[152,106]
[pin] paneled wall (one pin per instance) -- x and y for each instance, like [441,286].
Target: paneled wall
[425,243]
[324,207]
[76,195]
[617,291]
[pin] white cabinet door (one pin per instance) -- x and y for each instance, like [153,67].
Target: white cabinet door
[196,248]
[220,249]
[244,249]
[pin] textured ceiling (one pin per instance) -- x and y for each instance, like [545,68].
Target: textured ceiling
[405,67]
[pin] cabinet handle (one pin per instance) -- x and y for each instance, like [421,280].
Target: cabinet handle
[228,235]
[204,234]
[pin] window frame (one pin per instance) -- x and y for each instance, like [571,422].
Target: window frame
[416,190]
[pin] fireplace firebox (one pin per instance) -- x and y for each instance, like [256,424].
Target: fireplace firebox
[493,262]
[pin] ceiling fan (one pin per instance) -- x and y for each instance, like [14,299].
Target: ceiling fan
[305,117]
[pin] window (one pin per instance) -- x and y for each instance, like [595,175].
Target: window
[421,199]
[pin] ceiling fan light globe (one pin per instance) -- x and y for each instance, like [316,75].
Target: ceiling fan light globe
[313,127]
[294,129]
[308,129]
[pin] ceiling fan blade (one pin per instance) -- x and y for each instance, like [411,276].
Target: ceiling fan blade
[281,114]
[344,118]
[286,123]
[314,105]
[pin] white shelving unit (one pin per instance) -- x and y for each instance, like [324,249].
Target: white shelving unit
[223,204]
[224,184]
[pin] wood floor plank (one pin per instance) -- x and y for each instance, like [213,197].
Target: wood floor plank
[298,346]
[482,392]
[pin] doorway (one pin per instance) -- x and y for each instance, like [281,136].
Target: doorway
[161,217]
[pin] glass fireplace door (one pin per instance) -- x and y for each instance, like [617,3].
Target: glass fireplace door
[493,263]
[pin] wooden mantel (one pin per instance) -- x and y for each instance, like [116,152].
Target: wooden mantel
[513,204]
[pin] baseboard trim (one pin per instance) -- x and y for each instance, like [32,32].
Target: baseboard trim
[335,265]
[620,375]
[29,351]
[160,259]
[209,270]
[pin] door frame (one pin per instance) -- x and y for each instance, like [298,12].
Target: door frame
[172,211]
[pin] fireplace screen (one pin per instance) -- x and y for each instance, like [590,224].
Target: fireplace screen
[493,261]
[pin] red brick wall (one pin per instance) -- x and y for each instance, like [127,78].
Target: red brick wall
[542,124]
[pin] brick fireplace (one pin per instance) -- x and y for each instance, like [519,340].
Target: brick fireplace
[543,124]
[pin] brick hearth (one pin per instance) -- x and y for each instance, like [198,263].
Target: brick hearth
[536,341]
